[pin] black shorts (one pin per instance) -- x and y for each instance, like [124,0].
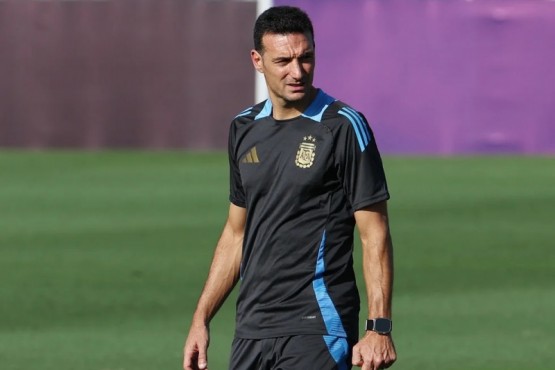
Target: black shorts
[299,352]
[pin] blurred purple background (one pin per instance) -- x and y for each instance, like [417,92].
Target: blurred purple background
[432,76]
[442,77]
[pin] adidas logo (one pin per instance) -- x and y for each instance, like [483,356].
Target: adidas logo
[251,156]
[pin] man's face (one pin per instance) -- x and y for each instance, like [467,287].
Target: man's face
[287,63]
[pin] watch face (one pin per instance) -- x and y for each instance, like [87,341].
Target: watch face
[382,326]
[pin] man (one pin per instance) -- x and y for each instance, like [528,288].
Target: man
[304,169]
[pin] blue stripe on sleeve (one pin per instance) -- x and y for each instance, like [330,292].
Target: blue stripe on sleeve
[362,130]
[362,124]
[360,137]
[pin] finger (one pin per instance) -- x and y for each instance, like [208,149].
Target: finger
[390,362]
[202,359]
[356,358]
[367,365]
[378,363]
[189,360]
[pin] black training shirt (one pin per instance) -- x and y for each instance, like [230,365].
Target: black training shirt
[300,181]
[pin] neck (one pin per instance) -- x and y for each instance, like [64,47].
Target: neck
[283,110]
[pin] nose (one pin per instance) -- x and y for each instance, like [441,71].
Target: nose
[296,69]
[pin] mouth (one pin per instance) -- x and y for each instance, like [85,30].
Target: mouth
[297,87]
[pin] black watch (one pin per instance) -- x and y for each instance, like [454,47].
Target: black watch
[379,325]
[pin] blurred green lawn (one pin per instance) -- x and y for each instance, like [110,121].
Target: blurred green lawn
[103,256]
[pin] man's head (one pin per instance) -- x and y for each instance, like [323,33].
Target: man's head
[281,20]
[284,53]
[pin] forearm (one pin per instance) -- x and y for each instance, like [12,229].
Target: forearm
[378,274]
[223,275]
[377,258]
[374,350]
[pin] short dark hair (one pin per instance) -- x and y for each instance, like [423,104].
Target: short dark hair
[281,20]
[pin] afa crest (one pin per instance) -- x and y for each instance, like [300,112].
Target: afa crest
[306,152]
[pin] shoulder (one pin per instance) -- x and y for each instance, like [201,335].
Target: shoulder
[342,114]
[331,112]
[348,123]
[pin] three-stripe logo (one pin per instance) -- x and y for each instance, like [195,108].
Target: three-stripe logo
[251,156]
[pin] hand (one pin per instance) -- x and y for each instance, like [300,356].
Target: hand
[374,351]
[196,348]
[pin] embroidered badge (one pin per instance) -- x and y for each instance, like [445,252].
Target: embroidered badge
[306,152]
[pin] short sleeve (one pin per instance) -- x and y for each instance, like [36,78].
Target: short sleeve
[358,162]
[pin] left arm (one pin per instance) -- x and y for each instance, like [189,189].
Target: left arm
[375,351]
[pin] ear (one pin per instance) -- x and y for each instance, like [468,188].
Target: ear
[257,61]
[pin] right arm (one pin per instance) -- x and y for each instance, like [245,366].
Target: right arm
[223,275]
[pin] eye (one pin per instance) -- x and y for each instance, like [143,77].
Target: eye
[307,58]
[282,62]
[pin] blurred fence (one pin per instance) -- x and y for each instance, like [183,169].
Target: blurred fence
[123,73]
[432,76]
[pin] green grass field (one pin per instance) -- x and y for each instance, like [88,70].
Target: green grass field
[103,256]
